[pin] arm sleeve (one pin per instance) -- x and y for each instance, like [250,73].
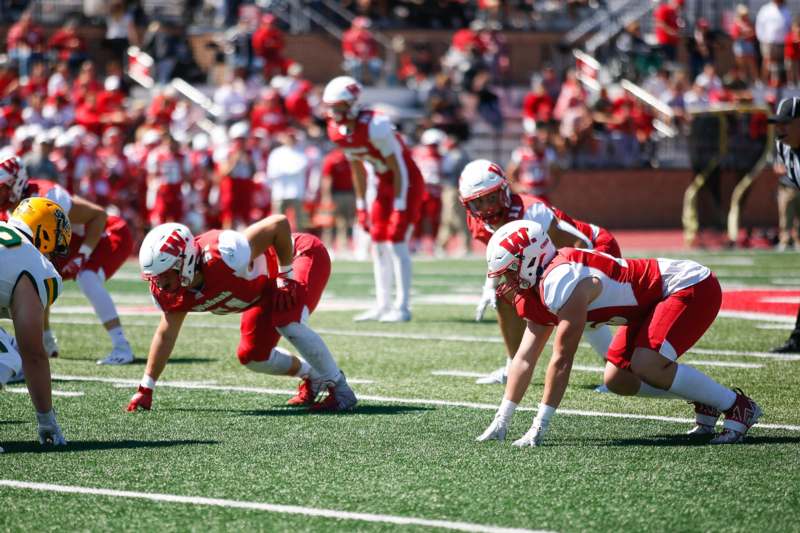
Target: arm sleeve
[235,250]
[559,284]
[382,135]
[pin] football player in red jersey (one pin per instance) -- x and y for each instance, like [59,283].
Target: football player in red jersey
[486,195]
[271,276]
[662,307]
[100,245]
[369,138]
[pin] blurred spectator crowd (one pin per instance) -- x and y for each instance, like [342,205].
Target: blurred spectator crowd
[160,158]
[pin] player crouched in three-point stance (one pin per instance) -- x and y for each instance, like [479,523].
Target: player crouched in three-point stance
[369,138]
[274,278]
[663,306]
[486,195]
[28,285]
[100,246]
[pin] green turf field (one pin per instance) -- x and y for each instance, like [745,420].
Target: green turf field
[220,438]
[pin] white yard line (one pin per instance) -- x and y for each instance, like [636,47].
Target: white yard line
[751,315]
[784,327]
[258,506]
[412,401]
[65,393]
[425,337]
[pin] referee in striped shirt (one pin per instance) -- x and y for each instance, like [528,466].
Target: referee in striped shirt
[787,145]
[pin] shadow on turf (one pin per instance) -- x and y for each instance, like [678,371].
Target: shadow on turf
[294,411]
[91,445]
[691,440]
[141,361]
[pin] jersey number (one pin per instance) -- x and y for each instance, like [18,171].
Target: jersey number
[9,238]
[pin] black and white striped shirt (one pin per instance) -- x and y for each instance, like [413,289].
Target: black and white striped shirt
[790,159]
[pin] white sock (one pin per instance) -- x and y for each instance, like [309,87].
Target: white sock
[312,348]
[600,339]
[5,373]
[401,260]
[691,384]
[384,275]
[91,284]
[278,364]
[117,336]
[648,391]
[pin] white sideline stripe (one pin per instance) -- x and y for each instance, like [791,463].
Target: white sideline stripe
[66,393]
[412,401]
[783,327]
[752,315]
[268,507]
[725,364]
[759,355]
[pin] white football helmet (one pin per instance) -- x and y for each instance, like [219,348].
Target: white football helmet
[481,178]
[519,251]
[14,176]
[342,89]
[169,246]
[432,136]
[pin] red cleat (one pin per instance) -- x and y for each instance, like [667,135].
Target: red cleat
[340,398]
[705,419]
[742,415]
[305,395]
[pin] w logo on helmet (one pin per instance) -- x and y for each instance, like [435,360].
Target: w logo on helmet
[495,168]
[174,245]
[10,165]
[517,241]
[353,89]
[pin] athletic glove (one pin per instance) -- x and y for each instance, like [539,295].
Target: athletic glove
[73,266]
[143,399]
[488,297]
[496,431]
[534,435]
[363,219]
[50,433]
[285,293]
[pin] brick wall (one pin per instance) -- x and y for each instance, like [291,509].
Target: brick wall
[644,199]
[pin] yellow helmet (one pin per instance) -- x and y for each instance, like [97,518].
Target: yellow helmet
[45,223]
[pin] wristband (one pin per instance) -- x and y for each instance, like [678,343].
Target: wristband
[85,250]
[148,382]
[361,204]
[399,204]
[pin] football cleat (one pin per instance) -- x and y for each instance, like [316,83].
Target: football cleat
[340,398]
[370,314]
[742,415]
[790,346]
[498,377]
[18,377]
[396,315]
[305,395]
[120,355]
[50,344]
[705,419]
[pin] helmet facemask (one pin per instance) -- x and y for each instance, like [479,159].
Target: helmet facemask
[491,206]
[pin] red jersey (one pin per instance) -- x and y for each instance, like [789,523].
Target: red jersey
[630,287]
[230,283]
[667,15]
[336,166]
[529,207]
[429,163]
[372,140]
[534,169]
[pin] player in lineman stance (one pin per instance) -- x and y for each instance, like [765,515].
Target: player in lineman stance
[274,278]
[486,195]
[367,137]
[662,307]
[787,151]
[100,246]
[28,285]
